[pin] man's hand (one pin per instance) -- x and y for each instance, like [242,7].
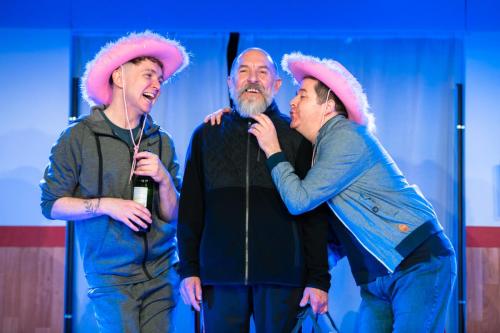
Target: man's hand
[216,117]
[148,164]
[317,298]
[129,212]
[191,291]
[265,132]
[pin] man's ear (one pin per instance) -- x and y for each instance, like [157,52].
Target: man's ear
[330,107]
[277,85]
[230,82]
[116,77]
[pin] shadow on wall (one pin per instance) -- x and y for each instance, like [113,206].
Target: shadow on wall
[343,297]
[25,156]
[20,202]
[439,186]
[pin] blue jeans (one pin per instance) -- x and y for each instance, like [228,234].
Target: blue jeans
[413,300]
[140,307]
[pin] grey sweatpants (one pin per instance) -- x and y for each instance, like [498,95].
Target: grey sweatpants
[137,308]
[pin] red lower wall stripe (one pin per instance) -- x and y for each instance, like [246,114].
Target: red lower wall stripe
[37,236]
[483,236]
[32,236]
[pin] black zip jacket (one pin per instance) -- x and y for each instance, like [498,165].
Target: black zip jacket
[233,227]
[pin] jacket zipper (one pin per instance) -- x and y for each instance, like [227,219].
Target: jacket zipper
[247,202]
[146,250]
[143,235]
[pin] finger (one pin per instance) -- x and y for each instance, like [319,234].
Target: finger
[130,225]
[263,119]
[192,298]
[147,159]
[303,301]
[262,129]
[144,154]
[138,222]
[253,128]
[198,291]
[144,167]
[324,309]
[207,119]
[157,174]
[148,167]
[183,294]
[266,127]
[258,127]
[212,119]
[140,210]
[142,171]
[266,119]
[219,118]
[151,163]
[189,291]
[314,305]
[144,215]
[139,218]
[254,132]
[187,300]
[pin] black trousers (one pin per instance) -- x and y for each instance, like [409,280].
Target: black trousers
[229,308]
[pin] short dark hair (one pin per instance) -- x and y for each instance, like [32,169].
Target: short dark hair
[138,60]
[322,92]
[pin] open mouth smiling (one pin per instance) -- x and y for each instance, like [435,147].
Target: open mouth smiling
[252,91]
[149,96]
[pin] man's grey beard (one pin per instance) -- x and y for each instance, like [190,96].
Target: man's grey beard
[246,108]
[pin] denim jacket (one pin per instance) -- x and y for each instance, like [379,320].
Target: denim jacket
[363,186]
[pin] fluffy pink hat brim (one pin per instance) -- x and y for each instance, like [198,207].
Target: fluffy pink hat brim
[335,77]
[95,85]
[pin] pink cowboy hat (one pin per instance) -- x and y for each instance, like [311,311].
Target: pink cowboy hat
[95,85]
[335,77]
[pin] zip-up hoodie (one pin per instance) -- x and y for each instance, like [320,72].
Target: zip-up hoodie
[90,161]
[233,227]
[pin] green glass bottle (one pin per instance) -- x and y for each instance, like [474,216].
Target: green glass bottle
[143,187]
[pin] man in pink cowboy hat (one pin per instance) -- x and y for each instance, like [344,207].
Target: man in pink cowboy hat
[242,253]
[396,248]
[128,251]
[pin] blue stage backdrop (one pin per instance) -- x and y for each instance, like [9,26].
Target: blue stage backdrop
[410,85]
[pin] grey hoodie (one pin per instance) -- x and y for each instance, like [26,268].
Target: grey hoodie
[90,161]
